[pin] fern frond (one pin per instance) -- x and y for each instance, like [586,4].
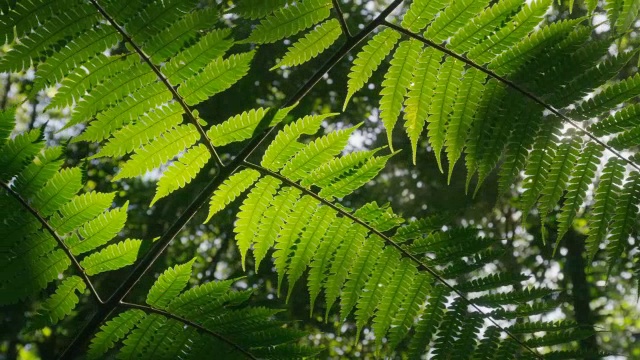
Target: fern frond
[624,219]
[559,338]
[195,58]
[606,196]
[609,97]
[113,331]
[380,218]
[138,339]
[520,142]
[255,9]
[216,77]
[629,14]
[62,302]
[341,265]
[512,297]
[182,171]
[273,221]
[399,287]
[488,345]
[614,9]
[298,218]
[251,211]
[359,274]
[337,168]
[169,285]
[408,309]
[308,243]
[18,152]
[420,93]
[516,29]
[556,181]
[444,98]
[311,45]
[290,20]
[231,189]
[524,310]
[316,153]
[59,190]
[237,128]
[368,60]
[158,152]
[581,176]
[457,14]
[79,210]
[532,327]
[98,231]
[396,84]
[428,323]
[490,282]
[112,257]
[626,140]
[420,228]
[421,13]
[482,26]
[33,177]
[361,176]
[284,146]
[461,119]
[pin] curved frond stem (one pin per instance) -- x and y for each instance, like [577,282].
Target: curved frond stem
[222,338]
[192,119]
[514,86]
[422,266]
[343,22]
[61,243]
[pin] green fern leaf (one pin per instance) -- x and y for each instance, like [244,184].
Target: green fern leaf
[516,29]
[273,221]
[255,9]
[525,310]
[337,168]
[308,244]
[428,323]
[606,196]
[182,171]
[614,9]
[62,303]
[284,146]
[368,60]
[582,175]
[420,94]
[556,181]
[98,231]
[381,218]
[237,128]
[158,152]
[299,217]
[482,26]
[322,261]
[195,58]
[532,327]
[449,329]
[356,180]
[169,285]
[25,17]
[137,341]
[312,44]
[629,13]
[488,345]
[400,287]
[408,310]
[466,342]
[624,219]
[421,13]
[537,168]
[628,117]
[456,15]
[79,210]
[38,172]
[420,228]
[231,189]
[316,153]
[251,211]
[149,126]
[7,123]
[626,140]
[202,299]
[609,98]
[18,152]
[524,133]
[112,257]
[512,297]
[559,338]
[346,255]
[444,98]
[113,331]
[396,84]
[466,103]
[59,190]
[491,282]
[373,289]
[218,76]
[290,20]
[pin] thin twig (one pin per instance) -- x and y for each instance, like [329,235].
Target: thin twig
[390,242]
[164,80]
[514,86]
[343,22]
[58,239]
[189,323]
[5,94]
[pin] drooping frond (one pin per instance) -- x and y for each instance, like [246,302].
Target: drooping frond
[312,44]
[112,257]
